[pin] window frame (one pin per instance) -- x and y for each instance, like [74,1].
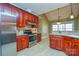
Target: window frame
[65,22]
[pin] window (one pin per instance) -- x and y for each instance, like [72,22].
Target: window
[65,26]
[61,27]
[69,27]
[55,27]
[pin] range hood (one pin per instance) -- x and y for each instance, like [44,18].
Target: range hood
[30,23]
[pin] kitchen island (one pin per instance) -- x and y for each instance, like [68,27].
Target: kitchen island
[67,43]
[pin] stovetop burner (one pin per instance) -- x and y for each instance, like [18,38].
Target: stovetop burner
[30,34]
[32,37]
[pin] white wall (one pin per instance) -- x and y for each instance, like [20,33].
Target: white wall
[43,27]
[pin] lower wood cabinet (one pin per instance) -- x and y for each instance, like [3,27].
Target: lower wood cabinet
[38,37]
[76,46]
[19,44]
[56,42]
[22,42]
[68,49]
[66,44]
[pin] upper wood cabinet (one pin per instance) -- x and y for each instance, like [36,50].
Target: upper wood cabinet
[10,13]
[26,17]
[36,21]
[20,20]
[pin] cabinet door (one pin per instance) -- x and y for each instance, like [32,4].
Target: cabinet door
[26,17]
[76,46]
[24,42]
[77,49]
[19,43]
[56,42]
[68,47]
[59,42]
[32,18]
[20,21]
[38,37]
[36,22]
[52,42]
[29,17]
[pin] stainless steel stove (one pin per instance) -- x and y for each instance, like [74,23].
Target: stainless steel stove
[32,37]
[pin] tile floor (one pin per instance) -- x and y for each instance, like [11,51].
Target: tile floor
[41,49]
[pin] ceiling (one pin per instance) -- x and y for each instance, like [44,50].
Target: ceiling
[40,8]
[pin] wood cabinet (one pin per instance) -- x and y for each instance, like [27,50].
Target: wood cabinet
[15,14]
[22,42]
[56,41]
[36,21]
[76,46]
[20,21]
[52,42]
[38,37]
[19,43]
[67,47]
[67,44]
[26,17]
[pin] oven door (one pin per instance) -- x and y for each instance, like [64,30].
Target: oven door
[31,38]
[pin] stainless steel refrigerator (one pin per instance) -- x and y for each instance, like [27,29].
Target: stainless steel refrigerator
[8,40]
[0,45]
[7,35]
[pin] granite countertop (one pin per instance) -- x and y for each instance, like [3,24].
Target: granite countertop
[65,34]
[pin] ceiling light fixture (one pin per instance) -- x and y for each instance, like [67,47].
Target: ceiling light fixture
[58,18]
[71,15]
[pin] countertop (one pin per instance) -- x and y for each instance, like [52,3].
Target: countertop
[66,34]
